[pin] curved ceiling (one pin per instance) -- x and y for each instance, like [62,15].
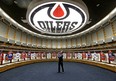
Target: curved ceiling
[97,9]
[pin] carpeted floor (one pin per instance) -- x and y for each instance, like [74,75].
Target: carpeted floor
[48,72]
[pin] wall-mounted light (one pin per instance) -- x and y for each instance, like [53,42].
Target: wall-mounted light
[8,40]
[103,40]
[112,38]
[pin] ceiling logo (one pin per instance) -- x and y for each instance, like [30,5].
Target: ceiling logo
[57,18]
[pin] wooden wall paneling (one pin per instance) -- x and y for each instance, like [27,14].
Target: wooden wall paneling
[89,41]
[34,41]
[43,42]
[59,43]
[69,43]
[18,37]
[79,41]
[113,24]
[40,42]
[49,45]
[54,43]
[11,33]
[29,39]
[114,27]
[64,43]
[37,42]
[24,38]
[3,32]
[83,41]
[95,38]
[101,36]
[108,33]
[74,42]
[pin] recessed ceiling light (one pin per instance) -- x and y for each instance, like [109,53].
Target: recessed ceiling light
[98,5]
[89,22]
[15,2]
[24,20]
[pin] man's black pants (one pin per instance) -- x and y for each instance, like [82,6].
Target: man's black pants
[60,64]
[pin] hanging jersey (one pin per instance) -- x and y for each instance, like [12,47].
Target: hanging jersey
[10,56]
[111,57]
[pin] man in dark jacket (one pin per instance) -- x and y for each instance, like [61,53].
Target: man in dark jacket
[60,62]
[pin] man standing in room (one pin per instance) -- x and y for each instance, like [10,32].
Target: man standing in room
[60,62]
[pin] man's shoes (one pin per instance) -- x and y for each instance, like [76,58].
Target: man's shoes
[60,72]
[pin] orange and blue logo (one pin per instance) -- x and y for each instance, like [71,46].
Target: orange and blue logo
[57,18]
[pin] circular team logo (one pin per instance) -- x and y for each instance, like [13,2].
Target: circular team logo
[57,18]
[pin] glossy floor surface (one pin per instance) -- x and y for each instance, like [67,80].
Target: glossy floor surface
[48,72]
